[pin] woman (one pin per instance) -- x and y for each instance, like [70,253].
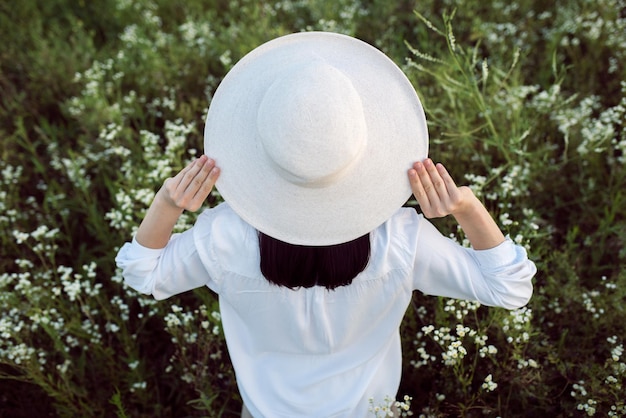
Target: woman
[320,140]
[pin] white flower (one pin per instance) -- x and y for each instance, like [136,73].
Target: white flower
[489,385]
[20,237]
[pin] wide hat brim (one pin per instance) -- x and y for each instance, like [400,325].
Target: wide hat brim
[340,211]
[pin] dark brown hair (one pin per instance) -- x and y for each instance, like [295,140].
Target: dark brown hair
[306,266]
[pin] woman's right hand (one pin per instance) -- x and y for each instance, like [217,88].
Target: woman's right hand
[439,196]
[436,192]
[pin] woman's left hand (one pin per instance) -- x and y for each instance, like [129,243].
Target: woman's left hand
[191,186]
[187,190]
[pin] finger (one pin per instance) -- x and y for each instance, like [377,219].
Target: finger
[437,184]
[446,177]
[205,188]
[415,179]
[455,194]
[201,174]
[175,181]
[428,183]
[189,177]
[204,179]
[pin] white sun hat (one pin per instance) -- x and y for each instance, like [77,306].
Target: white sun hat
[314,133]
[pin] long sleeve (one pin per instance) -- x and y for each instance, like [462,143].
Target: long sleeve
[501,276]
[163,272]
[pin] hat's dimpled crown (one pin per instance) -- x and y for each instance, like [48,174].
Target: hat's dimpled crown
[312,125]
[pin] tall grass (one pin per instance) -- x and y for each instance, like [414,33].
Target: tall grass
[101,101]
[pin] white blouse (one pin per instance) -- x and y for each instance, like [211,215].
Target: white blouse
[315,352]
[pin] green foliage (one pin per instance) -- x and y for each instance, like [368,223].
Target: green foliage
[101,101]
[116,400]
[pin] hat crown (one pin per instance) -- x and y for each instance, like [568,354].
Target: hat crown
[312,125]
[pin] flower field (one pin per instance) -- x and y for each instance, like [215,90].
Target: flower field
[101,101]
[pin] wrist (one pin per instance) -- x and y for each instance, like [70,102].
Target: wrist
[469,204]
[477,223]
[165,202]
[156,228]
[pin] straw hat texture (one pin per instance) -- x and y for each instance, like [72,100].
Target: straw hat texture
[314,133]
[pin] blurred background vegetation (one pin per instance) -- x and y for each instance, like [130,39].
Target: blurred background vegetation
[101,100]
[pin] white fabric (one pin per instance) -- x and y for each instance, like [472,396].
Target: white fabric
[308,120]
[315,352]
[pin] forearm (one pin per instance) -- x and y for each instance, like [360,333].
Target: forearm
[156,228]
[479,227]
